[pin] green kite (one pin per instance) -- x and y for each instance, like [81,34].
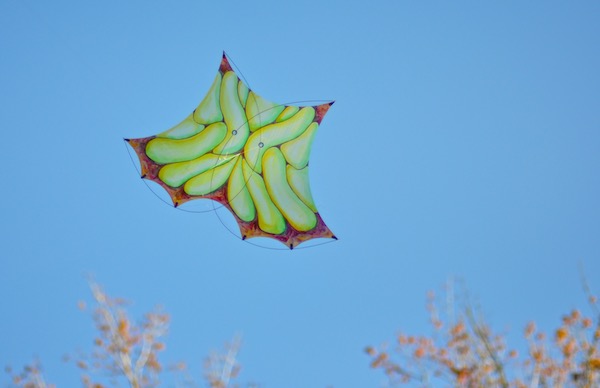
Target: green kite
[246,153]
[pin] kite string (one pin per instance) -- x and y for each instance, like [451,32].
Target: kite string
[237,70]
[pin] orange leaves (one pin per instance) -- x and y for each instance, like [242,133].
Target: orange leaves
[529,329]
[568,358]
[463,351]
[152,363]
[82,364]
[126,352]
[561,334]
[124,348]
[537,356]
[594,363]
[30,377]
[123,327]
[463,375]
[159,346]
[370,350]
[379,360]
[419,353]
[458,330]
[452,353]
[569,348]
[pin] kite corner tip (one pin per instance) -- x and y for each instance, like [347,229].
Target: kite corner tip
[334,237]
[332,102]
[175,204]
[291,246]
[143,176]
[126,139]
[225,65]
[243,237]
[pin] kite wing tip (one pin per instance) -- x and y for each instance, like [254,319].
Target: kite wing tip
[225,66]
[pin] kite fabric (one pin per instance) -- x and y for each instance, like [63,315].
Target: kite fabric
[246,153]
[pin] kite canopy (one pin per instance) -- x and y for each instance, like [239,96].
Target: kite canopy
[246,153]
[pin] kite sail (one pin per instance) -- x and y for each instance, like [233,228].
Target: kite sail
[246,153]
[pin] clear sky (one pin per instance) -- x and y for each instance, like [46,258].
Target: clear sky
[464,142]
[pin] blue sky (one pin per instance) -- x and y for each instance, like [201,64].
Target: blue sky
[463,142]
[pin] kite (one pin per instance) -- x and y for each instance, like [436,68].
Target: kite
[246,153]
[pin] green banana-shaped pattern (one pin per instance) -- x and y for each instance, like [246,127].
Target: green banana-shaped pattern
[235,118]
[210,180]
[288,112]
[187,128]
[297,151]
[209,110]
[276,134]
[298,181]
[238,194]
[176,174]
[261,112]
[300,216]
[247,153]
[163,151]
[270,218]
